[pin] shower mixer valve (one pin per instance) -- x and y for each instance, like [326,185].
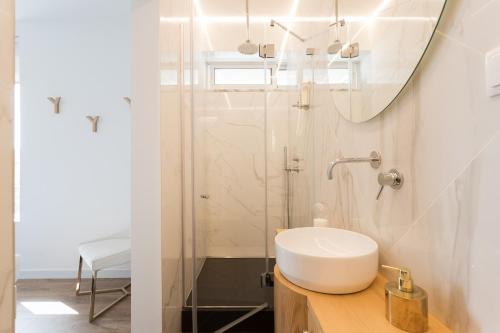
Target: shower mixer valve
[393,178]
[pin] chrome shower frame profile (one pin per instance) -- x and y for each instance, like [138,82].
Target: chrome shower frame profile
[94,291]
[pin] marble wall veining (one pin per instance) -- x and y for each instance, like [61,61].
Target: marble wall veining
[7,33]
[233,163]
[443,134]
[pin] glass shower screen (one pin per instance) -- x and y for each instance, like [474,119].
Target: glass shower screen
[229,175]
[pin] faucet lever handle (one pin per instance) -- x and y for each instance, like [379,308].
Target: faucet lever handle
[380,191]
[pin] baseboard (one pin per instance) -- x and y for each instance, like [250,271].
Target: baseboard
[71,274]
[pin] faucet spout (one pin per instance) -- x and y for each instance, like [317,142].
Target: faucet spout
[331,167]
[374,159]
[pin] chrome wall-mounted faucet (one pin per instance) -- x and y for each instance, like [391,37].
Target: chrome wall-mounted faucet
[375,160]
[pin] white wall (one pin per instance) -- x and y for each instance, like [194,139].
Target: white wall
[146,172]
[75,184]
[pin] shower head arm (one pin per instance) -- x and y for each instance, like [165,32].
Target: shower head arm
[248,48]
[248,20]
[336,18]
[341,23]
[274,22]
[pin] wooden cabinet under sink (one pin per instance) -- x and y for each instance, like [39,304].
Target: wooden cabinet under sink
[313,325]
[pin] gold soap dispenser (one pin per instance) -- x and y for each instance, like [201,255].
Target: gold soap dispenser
[406,303]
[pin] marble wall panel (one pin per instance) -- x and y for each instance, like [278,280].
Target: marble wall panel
[442,133]
[234,164]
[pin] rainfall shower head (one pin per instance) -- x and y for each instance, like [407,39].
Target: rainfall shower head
[248,48]
[337,44]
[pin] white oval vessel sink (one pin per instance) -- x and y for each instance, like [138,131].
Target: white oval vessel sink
[327,260]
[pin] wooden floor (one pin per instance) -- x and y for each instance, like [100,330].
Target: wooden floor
[116,320]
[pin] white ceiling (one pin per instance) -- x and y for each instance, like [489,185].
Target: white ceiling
[75,9]
[70,9]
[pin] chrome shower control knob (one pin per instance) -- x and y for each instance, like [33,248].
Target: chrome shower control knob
[387,178]
[393,178]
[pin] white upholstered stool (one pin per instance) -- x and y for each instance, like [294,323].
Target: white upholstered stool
[102,254]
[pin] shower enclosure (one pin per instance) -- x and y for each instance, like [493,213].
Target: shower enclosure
[237,184]
[248,125]
[247,147]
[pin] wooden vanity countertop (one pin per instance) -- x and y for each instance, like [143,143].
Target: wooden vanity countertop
[360,312]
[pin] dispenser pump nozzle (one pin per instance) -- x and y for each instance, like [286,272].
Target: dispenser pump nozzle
[405,282]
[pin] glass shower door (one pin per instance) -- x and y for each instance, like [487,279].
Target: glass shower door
[244,110]
[229,180]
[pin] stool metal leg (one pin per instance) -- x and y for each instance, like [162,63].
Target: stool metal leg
[94,291]
[92,295]
[79,278]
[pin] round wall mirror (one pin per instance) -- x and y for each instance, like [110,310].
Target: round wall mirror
[381,42]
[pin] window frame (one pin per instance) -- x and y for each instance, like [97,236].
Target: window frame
[352,66]
[214,65]
[172,67]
